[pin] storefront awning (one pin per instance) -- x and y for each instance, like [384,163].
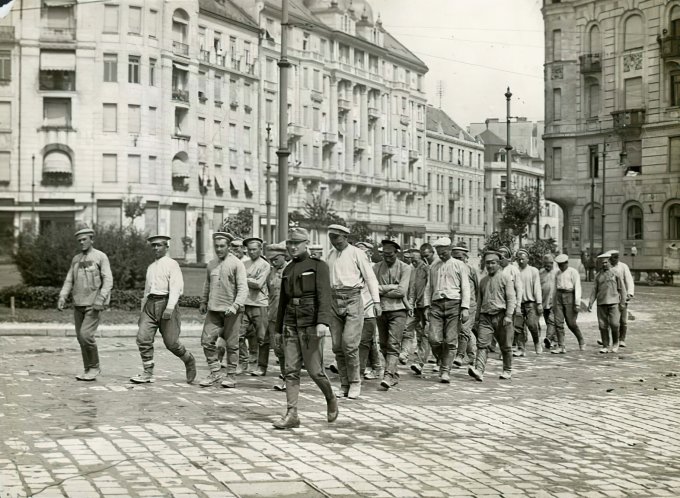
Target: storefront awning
[53,60]
[178,65]
[232,185]
[59,3]
[180,169]
[248,185]
[219,181]
[57,162]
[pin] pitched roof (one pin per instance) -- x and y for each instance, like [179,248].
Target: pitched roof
[490,138]
[228,10]
[440,122]
[393,45]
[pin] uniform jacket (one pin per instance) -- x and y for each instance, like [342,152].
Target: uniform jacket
[89,279]
[305,294]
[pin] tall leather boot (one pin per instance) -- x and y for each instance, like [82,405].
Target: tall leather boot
[290,420]
[331,400]
[190,365]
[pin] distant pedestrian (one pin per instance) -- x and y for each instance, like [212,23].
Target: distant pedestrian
[623,271]
[532,298]
[547,277]
[567,302]
[89,280]
[417,326]
[370,359]
[610,292]
[277,257]
[495,309]
[253,347]
[303,317]
[223,300]
[450,303]
[349,271]
[159,311]
[467,341]
[393,284]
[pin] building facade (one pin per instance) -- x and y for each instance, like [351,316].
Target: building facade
[612,137]
[356,113]
[455,182]
[527,173]
[526,136]
[116,104]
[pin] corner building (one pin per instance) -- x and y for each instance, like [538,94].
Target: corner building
[109,102]
[356,114]
[612,120]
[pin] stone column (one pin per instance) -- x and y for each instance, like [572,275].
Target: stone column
[363,125]
[349,131]
[332,90]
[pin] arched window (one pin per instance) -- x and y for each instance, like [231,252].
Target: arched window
[634,223]
[633,34]
[547,233]
[675,21]
[594,40]
[674,221]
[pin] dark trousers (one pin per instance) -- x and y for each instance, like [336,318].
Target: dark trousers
[87,321]
[420,324]
[150,322]
[467,342]
[563,308]
[529,317]
[369,352]
[303,344]
[278,348]
[390,331]
[549,318]
[444,326]
[252,336]
[347,322]
[608,318]
[216,325]
[623,323]
[492,326]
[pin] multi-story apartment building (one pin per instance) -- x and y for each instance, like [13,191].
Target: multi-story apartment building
[612,83]
[455,182]
[111,101]
[527,173]
[356,106]
[526,136]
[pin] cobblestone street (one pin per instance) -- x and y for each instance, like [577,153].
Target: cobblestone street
[580,424]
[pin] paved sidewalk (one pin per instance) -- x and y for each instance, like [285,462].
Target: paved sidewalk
[580,424]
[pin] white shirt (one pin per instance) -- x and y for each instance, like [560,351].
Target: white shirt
[164,278]
[569,280]
[512,271]
[622,270]
[350,269]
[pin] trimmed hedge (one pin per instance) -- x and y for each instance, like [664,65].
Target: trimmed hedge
[44,297]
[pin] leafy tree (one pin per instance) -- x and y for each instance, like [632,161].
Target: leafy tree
[133,208]
[359,232]
[496,240]
[540,248]
[239,224]
[316,214]
[519,211]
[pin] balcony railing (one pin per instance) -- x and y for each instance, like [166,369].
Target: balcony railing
[344,104]
[58,34]
[179,48]
[590,63]
[296,131]
[360,144]
[413,155]
[388,150]
[6,33]
[373,113]
[329,138]
[454,195]
[454,226]
[670,46]
[628,119]
[180,95]
[205,56]
[405,120]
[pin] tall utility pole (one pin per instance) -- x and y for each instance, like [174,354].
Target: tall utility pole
[591,228]
[33,193]
[283,152]
[538,209]
[268,202]
[604,176]
[508,149]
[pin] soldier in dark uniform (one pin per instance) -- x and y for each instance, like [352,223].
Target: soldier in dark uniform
[303,318]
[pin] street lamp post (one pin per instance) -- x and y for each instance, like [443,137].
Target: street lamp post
[604,176]
[508,149]
[33,192]
[268,202]
[283,152]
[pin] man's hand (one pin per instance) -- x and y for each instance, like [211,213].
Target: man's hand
[278,342]
[576,308]
[507,321]
[167,313]
[377,308]
[622,307]
[98,307]
[590,308]
[321,329]
[464,315]
[231,310]
[427,314]
[203,308]
[411,313]
[61,303]
[629,297]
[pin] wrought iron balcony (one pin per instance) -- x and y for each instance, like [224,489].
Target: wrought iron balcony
[590,63]
[628,119]
[181,95]
[179,48]
[670,46]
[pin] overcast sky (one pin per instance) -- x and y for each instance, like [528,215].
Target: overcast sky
[477,48]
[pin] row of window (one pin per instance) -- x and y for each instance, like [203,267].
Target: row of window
[135,20]
[460,186]
[458,215]
[633,216]
[439,155]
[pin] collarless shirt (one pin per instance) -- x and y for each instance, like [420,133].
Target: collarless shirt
[547,287]
[225,284]
[513,272]
[569,280]
[398,274]
[419,285]
[449,280]
[257,272]
[622,270]
[164,278]
[496,294]
[89,278]
[531,285]
[350,269]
